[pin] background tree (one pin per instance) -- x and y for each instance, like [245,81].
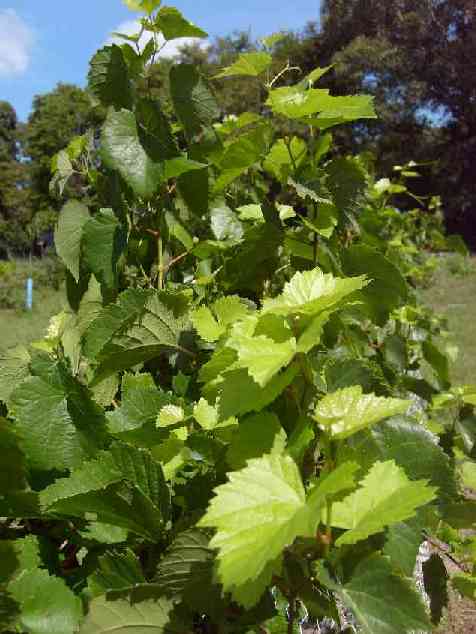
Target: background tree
[56,118]
[14,200]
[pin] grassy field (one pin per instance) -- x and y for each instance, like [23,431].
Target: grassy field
[454,296]
[22,327]
[18,326]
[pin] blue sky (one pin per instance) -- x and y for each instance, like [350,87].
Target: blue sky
[43,42]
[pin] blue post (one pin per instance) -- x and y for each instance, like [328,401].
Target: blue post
[29,294]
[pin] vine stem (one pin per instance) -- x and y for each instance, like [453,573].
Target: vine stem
[160,247]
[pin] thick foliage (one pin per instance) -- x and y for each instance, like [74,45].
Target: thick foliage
[244,416]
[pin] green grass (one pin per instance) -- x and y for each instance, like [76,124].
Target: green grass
[18,326]
[22,327]
[454,296]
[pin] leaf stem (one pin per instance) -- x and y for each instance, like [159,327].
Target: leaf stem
[160,248]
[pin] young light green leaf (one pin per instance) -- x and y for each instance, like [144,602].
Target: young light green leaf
[212,325]
[312,292]
[285,158]
[130,615]
[173,25]
[248,64]
[257,513]
[170,415]
[68,235]
[262,357]
[347,411]
[385,496]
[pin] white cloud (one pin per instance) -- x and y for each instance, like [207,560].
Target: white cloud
[16,42]
[171,49]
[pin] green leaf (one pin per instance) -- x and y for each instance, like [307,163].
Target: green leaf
[143,611]
[225,224]
[262,357]
[388,288]
[173,25]
[108,78]
[294,102]
[13,476]
[116,570]
[68,235]
[122,150]
[468,474]
[48,606]
[256,435]
[57,421]
[186,572]
[147,6]
[386,496]
[212,325]
[349,410]
[249,64]
[141,403]
[311,335]
[158,326]
[256,514]
[403,544]
[170,415]
[411,446]
[124,486]
[312,292]
[284,159]
[193,102]
[104,241]
[155,131]
[113,319]
[238,382]
[13,370]
[332,484]
[382,601]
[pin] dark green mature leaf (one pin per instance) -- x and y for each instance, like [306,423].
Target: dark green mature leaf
[141,404]
[173,25]
[12,466]
[158,328]
[256,435]
[68,235]
[122,151]
[194,104]
[57,421]
[124,486]
[155,131]
[411,446]
[346,179]
[48,606]
[382,601]
[402,544]
[117,569]
[388,288]
[114,319]
[186,572]
[108,78]
[104,240]
[435,578]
